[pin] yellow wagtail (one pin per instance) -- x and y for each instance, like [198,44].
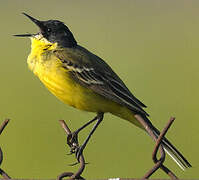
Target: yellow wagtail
[83,80]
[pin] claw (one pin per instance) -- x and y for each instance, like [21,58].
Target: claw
[74,164]
[72,139]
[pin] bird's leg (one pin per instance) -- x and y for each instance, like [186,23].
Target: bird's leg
[99,119]
[72,139]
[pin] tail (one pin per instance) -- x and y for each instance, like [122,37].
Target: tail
[179,159]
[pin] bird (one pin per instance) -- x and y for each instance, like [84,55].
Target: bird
[85,81]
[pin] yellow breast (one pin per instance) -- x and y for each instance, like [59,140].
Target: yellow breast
[50,71]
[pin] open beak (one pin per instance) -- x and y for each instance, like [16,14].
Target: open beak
[23,35]
[37,22]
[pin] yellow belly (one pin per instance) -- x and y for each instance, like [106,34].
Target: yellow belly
[59,82]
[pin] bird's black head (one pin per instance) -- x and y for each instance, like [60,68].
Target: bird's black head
[54,31]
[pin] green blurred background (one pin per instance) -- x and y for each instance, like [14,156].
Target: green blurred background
[153,46]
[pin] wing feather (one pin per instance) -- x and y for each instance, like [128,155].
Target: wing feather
[104,82]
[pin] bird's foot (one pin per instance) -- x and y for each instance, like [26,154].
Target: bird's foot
[72,141]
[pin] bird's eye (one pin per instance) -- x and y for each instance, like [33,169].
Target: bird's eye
[49,29]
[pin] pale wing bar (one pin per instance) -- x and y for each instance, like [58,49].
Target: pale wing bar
[117,89]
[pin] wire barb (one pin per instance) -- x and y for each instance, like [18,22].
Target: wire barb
[158,146]
[73,144]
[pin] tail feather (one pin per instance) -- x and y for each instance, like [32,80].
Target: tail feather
[170,149]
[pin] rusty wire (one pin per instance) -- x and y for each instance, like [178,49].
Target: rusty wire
[2,172]
[73,145]
[158,163]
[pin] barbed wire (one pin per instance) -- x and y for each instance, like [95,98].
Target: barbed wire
[72,142]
